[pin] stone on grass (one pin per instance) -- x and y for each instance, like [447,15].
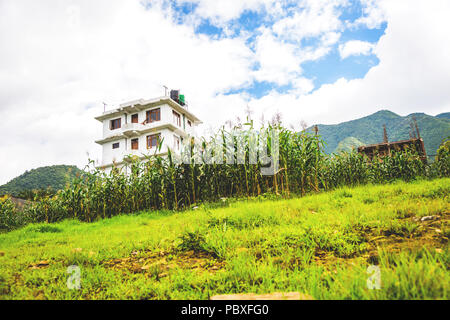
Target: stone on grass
[269,296]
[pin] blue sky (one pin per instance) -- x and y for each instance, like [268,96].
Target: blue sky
[325,70]
[311,61]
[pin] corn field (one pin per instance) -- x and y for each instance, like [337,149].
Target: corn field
[163,183]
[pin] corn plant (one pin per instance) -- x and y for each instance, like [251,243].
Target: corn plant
[160,182]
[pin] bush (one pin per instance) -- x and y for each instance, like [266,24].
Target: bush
[441,165]
[9,218]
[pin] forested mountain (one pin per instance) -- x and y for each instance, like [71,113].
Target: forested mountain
[445,115]
[53,177]
[369,130]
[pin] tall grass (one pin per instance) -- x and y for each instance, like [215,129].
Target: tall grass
[9,219]
[163,183]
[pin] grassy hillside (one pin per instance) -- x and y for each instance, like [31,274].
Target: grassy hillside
[320,245]
[369,129]
[348,144]
[54,177]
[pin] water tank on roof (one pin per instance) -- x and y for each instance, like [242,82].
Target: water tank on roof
[182,101]
[174,94]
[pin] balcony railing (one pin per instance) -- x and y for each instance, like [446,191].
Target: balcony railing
[132,129]
[132,153]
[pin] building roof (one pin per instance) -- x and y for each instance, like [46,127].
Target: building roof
[142,104]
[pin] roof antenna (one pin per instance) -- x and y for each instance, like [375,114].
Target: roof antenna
[104,106]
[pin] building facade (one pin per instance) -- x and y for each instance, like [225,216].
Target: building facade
[136,128]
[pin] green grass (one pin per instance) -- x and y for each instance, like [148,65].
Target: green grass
[321,245]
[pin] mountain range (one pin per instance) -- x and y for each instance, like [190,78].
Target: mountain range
[369,130]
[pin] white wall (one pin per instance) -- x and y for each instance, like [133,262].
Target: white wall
[106,123]
[110,154]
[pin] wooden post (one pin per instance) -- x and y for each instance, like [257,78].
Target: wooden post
[417,127]
[385,136]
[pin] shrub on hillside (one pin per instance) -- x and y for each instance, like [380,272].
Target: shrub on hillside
[9,217]
[441,165]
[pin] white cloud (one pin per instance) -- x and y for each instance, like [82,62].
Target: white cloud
[60,60]
[219,12]
[279,49]
[313,18]
[302,86]
[412,76]
[374,14]
[355,48]
[278,62]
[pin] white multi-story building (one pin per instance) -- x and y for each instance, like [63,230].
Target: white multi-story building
[137,127]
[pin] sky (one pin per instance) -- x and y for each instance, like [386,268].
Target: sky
[311,61]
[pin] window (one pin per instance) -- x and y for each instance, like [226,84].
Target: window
[176,143]
[176,118]
[135,118]
[135,144]
[189,123]
[153,115]
[115,124]
[116,145]
[153,140]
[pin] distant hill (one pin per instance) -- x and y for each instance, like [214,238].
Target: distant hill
[348,144]
[369,130]
[445,115]
[54,177]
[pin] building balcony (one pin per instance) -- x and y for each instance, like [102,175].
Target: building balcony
[128,154]
[142,153]
[132,129]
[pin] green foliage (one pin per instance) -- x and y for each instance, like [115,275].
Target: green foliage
[346,169]
[160,183]
[192,241]
[45,180]
[349,144]
[369,130]
[320,244]
[9,219]
[405,165]
[442,161]
[445,115]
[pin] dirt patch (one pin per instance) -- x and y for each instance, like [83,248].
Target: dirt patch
[158,264]
[39,265]
[429,233]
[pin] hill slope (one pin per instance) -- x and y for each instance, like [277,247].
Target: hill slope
[445,115]
[369,129]
[348,144]
[54,177]
[319,245]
